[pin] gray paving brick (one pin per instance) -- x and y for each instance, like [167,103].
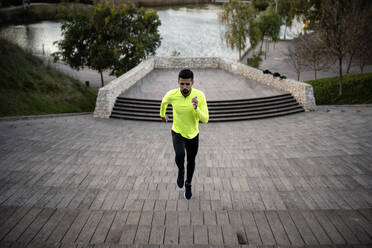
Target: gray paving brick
[197,218]
[200,235]
[184,218]
[133,218]
[215,235]
[157,235]
[103,227]
[329,228]
[210,218]
[143,234]
[171,235]
[171,218]
[263,228]
[222,217]
[117,226]
[90,227]
[76,227]
[128,234]
[277,228]
[318,175]
[158,218]
[186,235]
[22,225]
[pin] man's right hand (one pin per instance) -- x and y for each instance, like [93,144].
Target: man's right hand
[165,118]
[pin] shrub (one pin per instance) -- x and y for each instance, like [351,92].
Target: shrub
[357,89]
[254,61]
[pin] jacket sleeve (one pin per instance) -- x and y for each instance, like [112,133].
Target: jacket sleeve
[202,110]
[164,105]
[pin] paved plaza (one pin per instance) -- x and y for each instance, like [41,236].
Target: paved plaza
[303,180]
[299,180]
[217,84]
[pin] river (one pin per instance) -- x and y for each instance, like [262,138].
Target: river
[192,31]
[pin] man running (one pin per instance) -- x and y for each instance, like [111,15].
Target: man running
[189,106]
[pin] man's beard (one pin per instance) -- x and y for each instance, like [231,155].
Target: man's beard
[185,91]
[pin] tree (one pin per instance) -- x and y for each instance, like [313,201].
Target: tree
[260,5]
[295,57]
[108,37]
[334,30]
[236,16]
[360,29]
[343,26]
[269,24]
[286,12]
[314,52]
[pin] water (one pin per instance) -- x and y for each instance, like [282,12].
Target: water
[192,31]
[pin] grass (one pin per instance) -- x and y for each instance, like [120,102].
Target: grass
[357,89]
[29,87]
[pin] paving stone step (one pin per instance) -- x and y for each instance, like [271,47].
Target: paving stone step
[144,117]
[240,102]
[212,111]
[120,98]
[211,107]
[215,115]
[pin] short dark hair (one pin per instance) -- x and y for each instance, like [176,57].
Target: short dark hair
[186,74]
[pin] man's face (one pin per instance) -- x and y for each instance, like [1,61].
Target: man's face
[185,85]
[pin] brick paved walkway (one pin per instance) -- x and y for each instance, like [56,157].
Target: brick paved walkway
[300,180]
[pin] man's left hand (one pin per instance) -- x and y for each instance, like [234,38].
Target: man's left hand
[195,102]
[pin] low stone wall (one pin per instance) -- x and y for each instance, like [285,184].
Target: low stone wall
[186,62]
[302,92]
[107,95]
[153,3]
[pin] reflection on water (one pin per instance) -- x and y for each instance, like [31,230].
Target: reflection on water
[192,31]
[33,37]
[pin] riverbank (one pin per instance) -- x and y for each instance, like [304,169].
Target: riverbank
[28,87]
[35,13]
[83,75]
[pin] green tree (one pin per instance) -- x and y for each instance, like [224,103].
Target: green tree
[286,12]
[108,37]
[236,16]
[334,28]
[269,23]
[260,5]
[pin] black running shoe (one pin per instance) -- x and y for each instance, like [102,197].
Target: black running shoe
[188,192]
[180,178]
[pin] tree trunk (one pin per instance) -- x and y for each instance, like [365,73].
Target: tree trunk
[348,67]
[315,74]
[285,30]
[340,86]
[240,52]
[102,78]
[262,41]
[361,67]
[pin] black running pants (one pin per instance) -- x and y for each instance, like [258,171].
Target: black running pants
[191,145]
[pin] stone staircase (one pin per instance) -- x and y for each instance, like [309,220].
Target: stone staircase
[227,110]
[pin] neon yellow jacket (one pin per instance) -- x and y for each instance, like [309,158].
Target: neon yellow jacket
[185,117]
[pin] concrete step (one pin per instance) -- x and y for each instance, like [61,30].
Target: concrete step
[212,111]
[212,118]
[239,109]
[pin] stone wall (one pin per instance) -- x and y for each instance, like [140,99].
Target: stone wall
[107,95]
[186,62]
[303,92]
[153,3]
